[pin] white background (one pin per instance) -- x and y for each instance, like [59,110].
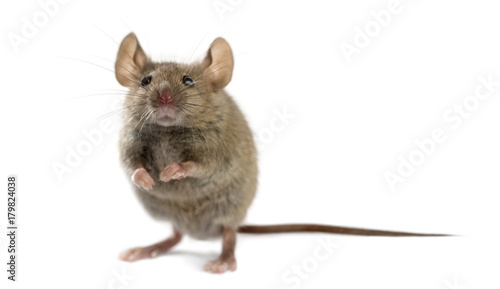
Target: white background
[353,120]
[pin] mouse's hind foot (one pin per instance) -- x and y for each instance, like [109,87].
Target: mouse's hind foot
[139,253]
[221,265]
[226,261]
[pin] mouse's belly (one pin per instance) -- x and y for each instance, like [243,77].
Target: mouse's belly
[202,217]
[197,206]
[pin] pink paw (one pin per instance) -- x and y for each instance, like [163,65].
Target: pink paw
[140,253]
[173,171]
[141,178]
[221,265]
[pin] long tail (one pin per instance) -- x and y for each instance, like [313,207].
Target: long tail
[289,228]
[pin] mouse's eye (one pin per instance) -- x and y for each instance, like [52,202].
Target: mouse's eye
[188,81]
[146,80]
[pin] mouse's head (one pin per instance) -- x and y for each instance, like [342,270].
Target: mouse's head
[173,94]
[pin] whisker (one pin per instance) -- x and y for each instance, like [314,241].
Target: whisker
[116,111]
[101,94]
[105,68]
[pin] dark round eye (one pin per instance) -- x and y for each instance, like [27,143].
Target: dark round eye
[188,81]
[146,80]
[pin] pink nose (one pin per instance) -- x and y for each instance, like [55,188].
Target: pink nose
[166,97]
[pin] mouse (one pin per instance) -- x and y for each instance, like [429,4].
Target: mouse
[189,152]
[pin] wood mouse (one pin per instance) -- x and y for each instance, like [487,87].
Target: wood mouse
[190,154]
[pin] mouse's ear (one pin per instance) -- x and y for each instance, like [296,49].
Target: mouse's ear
[130,61]
[218,64]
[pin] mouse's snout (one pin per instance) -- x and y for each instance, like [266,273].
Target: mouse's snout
[165,96]
[165,113]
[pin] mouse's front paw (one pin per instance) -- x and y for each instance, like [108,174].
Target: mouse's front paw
[141,178]
[173,171]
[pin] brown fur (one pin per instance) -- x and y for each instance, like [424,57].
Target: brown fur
[210,130]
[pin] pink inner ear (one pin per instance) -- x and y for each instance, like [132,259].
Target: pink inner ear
[130,60]
[218,64]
